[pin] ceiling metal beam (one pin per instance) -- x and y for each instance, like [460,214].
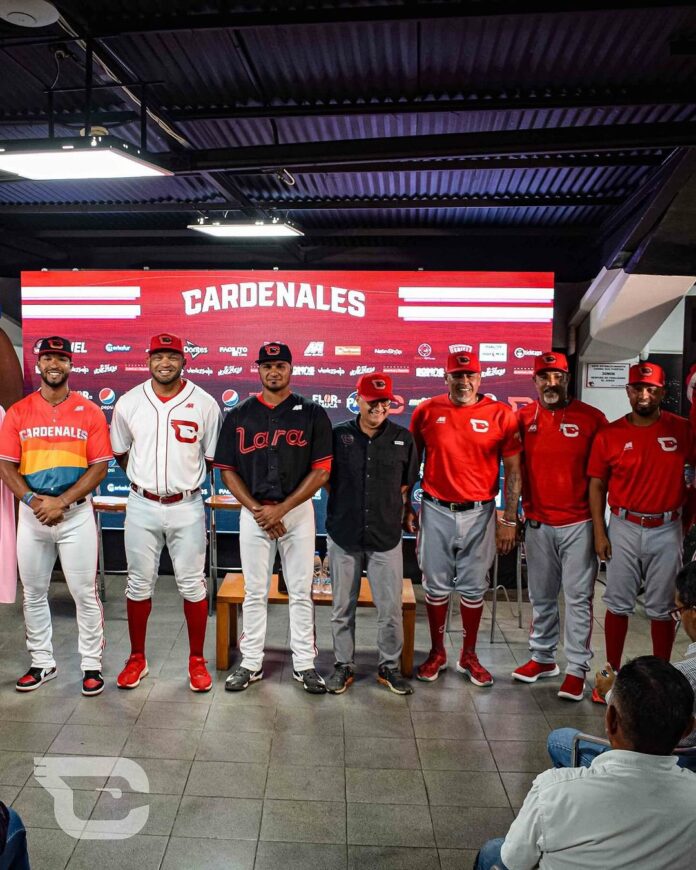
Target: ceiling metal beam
[482,101]
[403,202]
[120,235]
[99,116]
[145,22]
[532,161]
[596,139]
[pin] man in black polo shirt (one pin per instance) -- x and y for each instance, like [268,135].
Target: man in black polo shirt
[275,453]
[374,467]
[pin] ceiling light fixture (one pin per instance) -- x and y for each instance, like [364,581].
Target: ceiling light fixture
[88,157]
[246,230]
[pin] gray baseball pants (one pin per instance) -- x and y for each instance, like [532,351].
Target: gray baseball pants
[653,556]
[456,549]
[561,558]
[385,571]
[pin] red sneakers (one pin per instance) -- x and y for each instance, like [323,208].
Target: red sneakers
[572,688]
[533,671]
[199,678]
[429,671]
[469,664]
[134,671]
[597,698]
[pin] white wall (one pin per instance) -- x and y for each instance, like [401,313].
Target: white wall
[14,333]
[669,338]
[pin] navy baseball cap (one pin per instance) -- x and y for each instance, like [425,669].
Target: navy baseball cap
[53,344]
[274,351]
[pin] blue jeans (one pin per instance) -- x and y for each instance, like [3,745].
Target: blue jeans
[489,855]
[15,856]
[560,742]
[560,747]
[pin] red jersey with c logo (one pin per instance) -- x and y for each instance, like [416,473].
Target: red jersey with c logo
[463,445]
[556,449]
[643,466]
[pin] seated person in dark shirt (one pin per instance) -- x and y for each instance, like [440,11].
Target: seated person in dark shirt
[13,841]
[375,465]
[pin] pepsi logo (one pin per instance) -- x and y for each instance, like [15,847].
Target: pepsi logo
[107,396]
[230,398]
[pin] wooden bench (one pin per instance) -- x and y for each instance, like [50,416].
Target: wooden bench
[231,595]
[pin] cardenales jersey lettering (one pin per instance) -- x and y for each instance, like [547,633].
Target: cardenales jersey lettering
[463,445]
[643,466]
[273,448]
[54,444]
[557,445]
[167,442]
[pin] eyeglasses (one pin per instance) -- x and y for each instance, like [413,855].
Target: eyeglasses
[676,613]
[381,403]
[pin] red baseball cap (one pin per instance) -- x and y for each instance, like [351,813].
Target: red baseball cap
[646,373]
[463,361]
[375,386]
[550,361]
[166,341]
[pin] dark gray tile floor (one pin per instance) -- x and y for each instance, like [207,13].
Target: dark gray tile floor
[273,777]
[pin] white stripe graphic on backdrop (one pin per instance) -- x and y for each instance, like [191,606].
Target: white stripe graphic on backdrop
[491,295]
[110,303]
[68,294]
[458,313]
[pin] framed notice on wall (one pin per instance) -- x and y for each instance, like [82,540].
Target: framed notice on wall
[606,375]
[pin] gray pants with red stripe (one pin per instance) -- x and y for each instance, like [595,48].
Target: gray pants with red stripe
[653,556]
[561,557]
[456,549]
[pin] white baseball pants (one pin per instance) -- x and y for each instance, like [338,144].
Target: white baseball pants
[181,526]
[257,552]
[75,541]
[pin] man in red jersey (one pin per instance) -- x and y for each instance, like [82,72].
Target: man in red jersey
[638,461]
[463,435]
[557,433]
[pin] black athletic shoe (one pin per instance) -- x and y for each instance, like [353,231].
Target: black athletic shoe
[392,679]
[33,678]
[311,680]
[341,678]
[240,678]
[92,683]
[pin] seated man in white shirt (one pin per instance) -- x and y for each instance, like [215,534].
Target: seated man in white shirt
[560,741]
[633,807]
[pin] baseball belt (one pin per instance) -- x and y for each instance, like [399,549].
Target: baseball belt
[647,521]
[456,506]
[164,499]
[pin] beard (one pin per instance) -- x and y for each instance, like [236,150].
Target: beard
[54,383]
